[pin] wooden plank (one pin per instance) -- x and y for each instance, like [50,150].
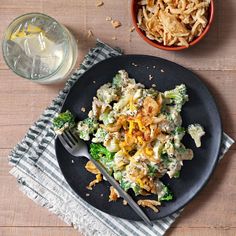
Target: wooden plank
[23,109]
[17,209]
[64,231]
[38,231]
[208,209]
[222,85]
[215,201]
[216,52]
[12,135]
[201,231]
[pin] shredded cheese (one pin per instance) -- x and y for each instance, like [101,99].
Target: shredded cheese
[131,126]
[131,104]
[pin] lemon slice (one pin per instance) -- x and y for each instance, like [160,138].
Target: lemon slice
[31,29]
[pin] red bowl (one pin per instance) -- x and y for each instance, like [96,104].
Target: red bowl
[134,10]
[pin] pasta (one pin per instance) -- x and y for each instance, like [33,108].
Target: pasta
[136,135]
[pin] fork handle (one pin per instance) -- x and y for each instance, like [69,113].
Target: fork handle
[121,192]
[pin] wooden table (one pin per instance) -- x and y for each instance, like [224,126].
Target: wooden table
[213,211]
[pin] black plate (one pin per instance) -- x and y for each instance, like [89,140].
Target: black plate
[201,108]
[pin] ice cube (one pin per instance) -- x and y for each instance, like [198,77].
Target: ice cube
[12,49]
[43,66]
[59,53]
[35,67]
[23,65]
[39,22]
[34,44]
[17,58]
[54,33]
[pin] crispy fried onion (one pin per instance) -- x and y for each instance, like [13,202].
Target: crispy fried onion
[149,203]
[94,182]
[175,22]
[114,195]
[92,168]
[139,130]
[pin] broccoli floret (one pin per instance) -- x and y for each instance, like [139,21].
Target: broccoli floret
[99,136]
[177,96]
[91,123]
[168,148]
[86,127]
[107,117]
[167,194]
[136,188]
[117,81]
[178,133]
[108,164]
[63,121]
[177,175]
[173,115]
[196,131]
[121,80]
[98,151]
[118,175]
[181,149]
[150,92]
[106,93]
[152,170]
[101,154]
[126,185]
[165,158]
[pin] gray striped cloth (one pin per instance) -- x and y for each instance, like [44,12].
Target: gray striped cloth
[39,176]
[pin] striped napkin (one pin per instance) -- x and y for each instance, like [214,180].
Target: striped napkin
[38,174]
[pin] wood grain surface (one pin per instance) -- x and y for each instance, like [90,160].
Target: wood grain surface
[213,211]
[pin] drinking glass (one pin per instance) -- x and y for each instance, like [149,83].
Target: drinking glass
[36,47]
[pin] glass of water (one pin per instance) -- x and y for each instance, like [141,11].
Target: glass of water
[36,47]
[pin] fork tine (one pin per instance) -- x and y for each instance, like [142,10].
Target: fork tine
[64,143]
[70,138]
[65,140]
[73,138]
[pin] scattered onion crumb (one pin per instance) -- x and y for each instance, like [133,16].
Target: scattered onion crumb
[94,81]
[125,202]
[115,23]
[154,67]
[147,67]
[108,18]
[132,29]
[83,109]
[90,33]
[153,85]
[162,71]
[99,3]
[150,77]
[87,194]
[72,161]
[133,64]
[101,195]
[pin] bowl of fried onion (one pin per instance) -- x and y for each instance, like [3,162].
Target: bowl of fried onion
[172,24]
